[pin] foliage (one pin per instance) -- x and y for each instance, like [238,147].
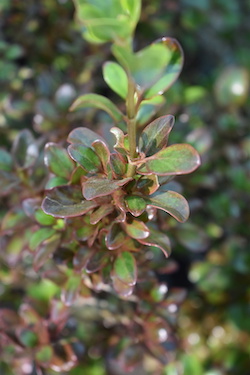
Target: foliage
[85,284]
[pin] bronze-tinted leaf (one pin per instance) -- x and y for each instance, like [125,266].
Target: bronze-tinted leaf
[115,237]
[171,202]
[100,187]
[83,136]
[66,201]
[103,153]
[86,157]
[157,239]
[148,184]
[100,213]
[124,290]
[125,268]
[25,151]
[46,250]
[173,160]
[155,136]
[136,205]
[136,229]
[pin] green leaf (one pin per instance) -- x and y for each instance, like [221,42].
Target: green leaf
[71,289]
[115,237]
[173,160]
[136,205]
[6,162]
[171,202]
[55,181]
[116,78]
[155,136]
[100,102]
[39,236]
[44,354]
[14,218]
[84,136]
[66,201]
[58,161]
[148,108]
[42,218]
[86,157]
[154,68]
[100,187]
[136,229]
[124,290]
[28,338]
[118,164]
[25,151]
[159,240]
[172,69]
[125,268]
[100,213]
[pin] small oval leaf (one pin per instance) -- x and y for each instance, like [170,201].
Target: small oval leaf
[125,268]
[58,161]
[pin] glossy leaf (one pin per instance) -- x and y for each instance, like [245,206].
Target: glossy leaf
[96,261]
[136,205]
[136,229]
[86,157]
[100,187]
[115,237]
[100,102]
[83,136]
[148,108]
[42,218]
[6,162]
[40,236]
[155,136]
[124,290]
[125,268]
[173,160]
[55,181]
[116,78]
[103,153]
[25,151]
[100,213]
[58,161]
[172,69]
[171,202]
[148,184]
[118,164]
[66,201]
[158,239]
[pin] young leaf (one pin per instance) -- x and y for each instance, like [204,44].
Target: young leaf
[159,240]
[171,202]
[84,136]
[25,151]
[155,136]
[173,160]
[136,205]
[58,161]
[100,102]
[103,153]
[125,268]
[116,78]
[137,229]
[66,201]
[86,157]
[100,187]
[172,68]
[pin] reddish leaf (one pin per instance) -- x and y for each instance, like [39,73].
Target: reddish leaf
[136,229]
[100,213]
[115,237]
[86,157]
[157,239]
[58,161]
[83,136]
[100,187]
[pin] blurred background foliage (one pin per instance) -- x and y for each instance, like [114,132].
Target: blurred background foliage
[45,64]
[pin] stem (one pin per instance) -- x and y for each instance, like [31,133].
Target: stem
[131,113]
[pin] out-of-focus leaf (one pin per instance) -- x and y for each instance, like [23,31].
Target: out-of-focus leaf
[124,290]
[71,289]
[100,187]
[116,78]
[44,354]
[171,202]
[125,268]
[86,157]
[8,181]
[56,181]
[39,236]
[157,239]
[136,205]
[46,250]
[6,162]
[193,237]
[84,136]
[100,102]
[96,261]
[66,201]
[173,160]
[14,218]
[192,365]
[155,136]
[115,237]
[42,218]
[58,161]
[25,150]
[148,108]
[28,338]
[136,229]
